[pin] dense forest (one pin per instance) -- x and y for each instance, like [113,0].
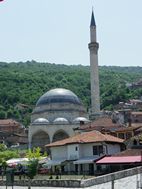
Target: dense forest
[21,84]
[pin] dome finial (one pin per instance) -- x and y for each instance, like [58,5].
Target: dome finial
[93,23]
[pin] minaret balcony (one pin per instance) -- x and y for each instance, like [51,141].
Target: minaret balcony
[93,46]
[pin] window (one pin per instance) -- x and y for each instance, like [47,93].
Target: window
[121,135]
[76,148]
[128,135]
[97,150]
[135,142]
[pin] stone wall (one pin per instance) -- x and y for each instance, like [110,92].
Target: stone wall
[43,183]
[111,177]
[123,179]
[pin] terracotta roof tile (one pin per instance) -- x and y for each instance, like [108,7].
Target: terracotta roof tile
[130,152]
[15,139]
[100,123]
[87,137]
[7,122]
[132,128]
[120,160]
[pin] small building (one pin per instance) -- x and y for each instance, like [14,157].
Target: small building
[128,158]
[134,151]
[135,142]
[132,104]
[102,124]
[10,126]
[127,132]
[136,117]
[12,132]
[78,153]
[116,163]
[127,117]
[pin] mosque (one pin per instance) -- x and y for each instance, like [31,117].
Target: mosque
[59,112]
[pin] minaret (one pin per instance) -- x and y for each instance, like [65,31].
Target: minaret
[94,73]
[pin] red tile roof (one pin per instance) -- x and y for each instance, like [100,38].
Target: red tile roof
[100,123]
[131,128]
[118,160]
[15,139]
[130,152]
[8,122]
[87,137]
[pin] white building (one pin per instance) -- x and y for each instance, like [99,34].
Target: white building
[78,153]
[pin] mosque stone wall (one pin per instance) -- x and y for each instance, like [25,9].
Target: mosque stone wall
[53,117]
[50,130]
[50,112]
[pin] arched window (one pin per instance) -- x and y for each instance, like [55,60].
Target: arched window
[60,135]
[40,139]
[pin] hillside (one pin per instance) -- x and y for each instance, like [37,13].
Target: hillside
[21,84]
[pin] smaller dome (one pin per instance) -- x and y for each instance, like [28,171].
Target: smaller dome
[41,121]
[60,120]
[78,120]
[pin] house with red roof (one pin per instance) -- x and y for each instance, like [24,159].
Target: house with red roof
[78,153]
[102,124]
[12,133]
[120,160]
[126,159]
[106,126]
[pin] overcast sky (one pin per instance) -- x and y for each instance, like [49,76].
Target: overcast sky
[57,31]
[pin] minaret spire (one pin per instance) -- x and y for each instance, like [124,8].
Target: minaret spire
[94,73]
[93,23]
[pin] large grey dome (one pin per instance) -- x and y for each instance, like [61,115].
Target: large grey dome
[58,95]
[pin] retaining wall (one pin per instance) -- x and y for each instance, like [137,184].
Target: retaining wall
[109,178]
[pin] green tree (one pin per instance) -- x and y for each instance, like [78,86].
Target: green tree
[25,83]
[33,156]
[32,168]
[3,147]
[8,154]
[2,114]
[9,113]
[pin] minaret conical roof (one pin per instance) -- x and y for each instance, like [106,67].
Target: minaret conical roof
[93,23]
